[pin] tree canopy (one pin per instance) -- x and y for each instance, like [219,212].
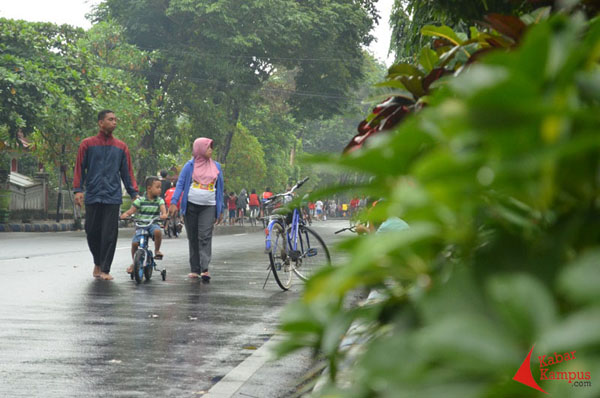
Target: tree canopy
[276,71]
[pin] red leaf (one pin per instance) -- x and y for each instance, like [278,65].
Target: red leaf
[439,43]
[508,25]
[434,75]
[390,113]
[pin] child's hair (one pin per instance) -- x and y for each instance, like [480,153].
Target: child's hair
[231,193]
[150,181]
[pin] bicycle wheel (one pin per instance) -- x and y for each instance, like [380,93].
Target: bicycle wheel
[138,265]
[173,226]
[280,262]
[313,253]
[148,270]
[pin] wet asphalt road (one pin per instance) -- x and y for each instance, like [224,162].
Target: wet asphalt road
[65,334]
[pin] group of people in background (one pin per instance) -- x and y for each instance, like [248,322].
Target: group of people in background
[321,210]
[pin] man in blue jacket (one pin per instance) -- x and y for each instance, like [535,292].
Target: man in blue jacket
[102,163]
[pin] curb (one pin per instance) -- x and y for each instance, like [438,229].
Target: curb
[37,227]
[351,346]
[233,381]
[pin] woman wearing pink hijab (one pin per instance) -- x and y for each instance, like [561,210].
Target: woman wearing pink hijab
[201,185]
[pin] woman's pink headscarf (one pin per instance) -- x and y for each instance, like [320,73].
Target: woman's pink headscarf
[205,169]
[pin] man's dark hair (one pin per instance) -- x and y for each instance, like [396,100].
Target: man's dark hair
[150,181]
[102,114]
[163,173]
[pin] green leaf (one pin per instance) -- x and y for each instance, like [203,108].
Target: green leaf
[470,342]
[524,303]
[579,281]
[393,83]
[428,59]
[404,70]
[443,31]
[578,331]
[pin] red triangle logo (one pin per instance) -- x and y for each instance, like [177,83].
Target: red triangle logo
[524,374]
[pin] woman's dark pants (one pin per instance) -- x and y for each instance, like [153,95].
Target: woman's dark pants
[199,223]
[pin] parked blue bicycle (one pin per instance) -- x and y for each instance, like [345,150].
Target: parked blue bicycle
[293,248]
[143,259]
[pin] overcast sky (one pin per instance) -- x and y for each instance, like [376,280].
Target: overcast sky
[73,12]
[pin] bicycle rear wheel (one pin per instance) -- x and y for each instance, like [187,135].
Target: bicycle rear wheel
[280,262]
[313,253]
[138,265]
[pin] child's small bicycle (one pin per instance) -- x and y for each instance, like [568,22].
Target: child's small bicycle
[173,226]
[143,260]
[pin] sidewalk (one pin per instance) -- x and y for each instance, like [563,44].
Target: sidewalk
[69,225]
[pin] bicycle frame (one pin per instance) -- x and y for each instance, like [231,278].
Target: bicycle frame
[290,233]
[144,239]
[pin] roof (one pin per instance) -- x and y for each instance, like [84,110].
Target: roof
[20,180]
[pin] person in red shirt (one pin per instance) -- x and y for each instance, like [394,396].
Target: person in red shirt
[232,206]
[254,204]
[176,218]
[354,205]
[265,195]
[311,208]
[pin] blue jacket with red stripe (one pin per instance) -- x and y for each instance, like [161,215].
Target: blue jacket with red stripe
[102,162]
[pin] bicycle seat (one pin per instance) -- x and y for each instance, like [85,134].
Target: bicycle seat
[277,217]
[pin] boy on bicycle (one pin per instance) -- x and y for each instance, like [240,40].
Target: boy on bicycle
[148,207]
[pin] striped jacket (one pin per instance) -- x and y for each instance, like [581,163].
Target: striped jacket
[102,162]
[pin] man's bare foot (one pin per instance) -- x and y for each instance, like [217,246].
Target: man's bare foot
[193,275]
[97,271]
[106,277]
[130,269]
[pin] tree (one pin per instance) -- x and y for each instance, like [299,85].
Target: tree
[224,53]
[330,135]
[409,16]
[45,81]
[246,167]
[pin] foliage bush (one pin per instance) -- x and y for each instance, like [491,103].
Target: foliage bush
[246,166]
[498,177]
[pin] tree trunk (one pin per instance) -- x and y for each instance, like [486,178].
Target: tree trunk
[235,115]
[144,164]
[293,150]
[293,154]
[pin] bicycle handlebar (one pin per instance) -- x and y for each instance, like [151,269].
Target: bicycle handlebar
[139,224]
[351,229]
[280,195]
